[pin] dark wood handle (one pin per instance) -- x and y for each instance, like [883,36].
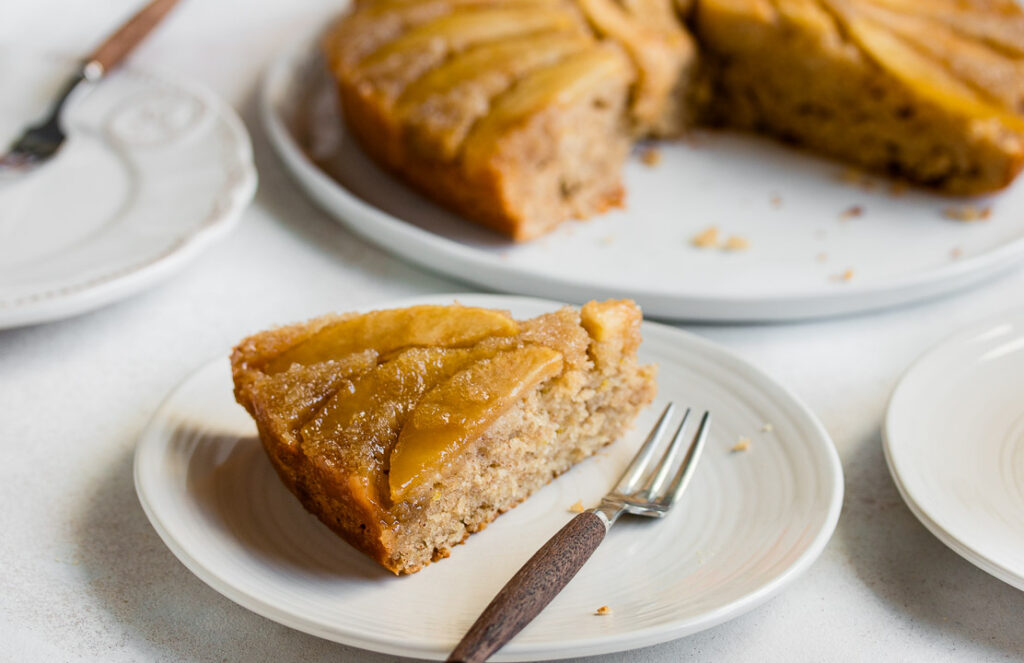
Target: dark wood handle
[128,36]
[532,588]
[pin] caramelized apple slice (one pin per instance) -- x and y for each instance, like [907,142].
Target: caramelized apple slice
[442,105]
[387,331]
[918,72]
[368,411]
[459,410]
[560,85]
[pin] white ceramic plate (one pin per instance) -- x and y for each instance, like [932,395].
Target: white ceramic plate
[153,171]
[786,203]
[954,441]
[749,524]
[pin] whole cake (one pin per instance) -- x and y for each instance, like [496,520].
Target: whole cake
[406,430]
[520,113]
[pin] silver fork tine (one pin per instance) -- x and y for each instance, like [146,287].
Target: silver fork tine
[682,477]
[635,472]
[656,483]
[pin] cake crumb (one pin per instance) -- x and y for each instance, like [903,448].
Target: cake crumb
[967,213]
[651,157]
[767,427]
[577,507]
[822,257]
[603,610]
[851,213]
[776,200]
[845,276]
[736,243]
[706,239]
[741,445]
[956,253]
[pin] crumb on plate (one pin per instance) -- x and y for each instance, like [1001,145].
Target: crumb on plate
[742,445]
[767,427]
[577,507]
[736,243]
[956,253]
[706,239]
[822,257]
[967,213]
[776,201]
[851,213]
[651,156]
[844,277]
[603,610]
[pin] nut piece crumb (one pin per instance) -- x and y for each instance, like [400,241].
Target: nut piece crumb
[577,507]
[736,243]
[603,610]
[851,213]
[742,445]
[967,213]
[706,239]
[767,427]
[651,156]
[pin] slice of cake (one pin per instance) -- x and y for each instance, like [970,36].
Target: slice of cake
[406,430]
[929,91]
[517,113]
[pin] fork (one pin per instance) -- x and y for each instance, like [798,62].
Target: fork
[41,141]
[643,490]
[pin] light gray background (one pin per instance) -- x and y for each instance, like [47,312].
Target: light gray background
[85,578]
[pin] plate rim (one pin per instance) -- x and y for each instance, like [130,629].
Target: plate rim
[528,651]
[229,204]
[923,514]
[459,261]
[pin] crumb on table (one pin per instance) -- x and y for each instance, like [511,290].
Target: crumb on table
[741,445]
[577,507]
[603,610]
[967,213]
[706,239]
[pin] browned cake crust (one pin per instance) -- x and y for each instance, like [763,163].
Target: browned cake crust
[342,474]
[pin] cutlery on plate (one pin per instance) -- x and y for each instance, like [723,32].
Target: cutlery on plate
[645,489]
[42,140]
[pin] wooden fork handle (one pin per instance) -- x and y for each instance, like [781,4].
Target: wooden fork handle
[108,54]
[532,588]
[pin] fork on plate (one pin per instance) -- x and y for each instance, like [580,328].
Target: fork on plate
[41,141]
[645,489]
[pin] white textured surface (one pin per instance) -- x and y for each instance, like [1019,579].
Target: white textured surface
[85,577]
[750,524]
[962,473]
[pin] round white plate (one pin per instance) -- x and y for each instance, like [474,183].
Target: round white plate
[749,524]
[153,171]
[804,260]
[954,441]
